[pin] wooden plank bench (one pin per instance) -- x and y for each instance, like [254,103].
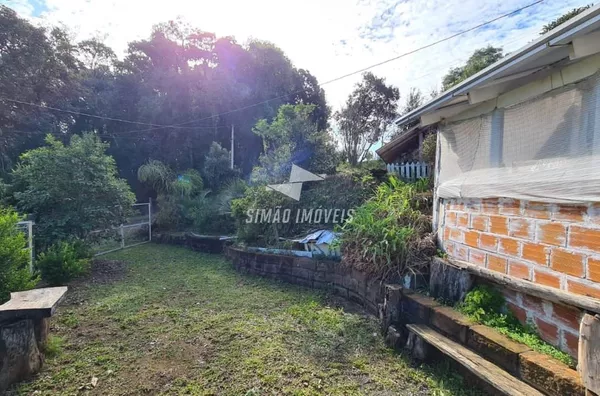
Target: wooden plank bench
[32,304]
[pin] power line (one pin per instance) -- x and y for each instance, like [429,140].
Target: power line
[365,68]
[180,125]
[96,116]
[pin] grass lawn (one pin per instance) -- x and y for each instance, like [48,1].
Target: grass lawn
[179,322]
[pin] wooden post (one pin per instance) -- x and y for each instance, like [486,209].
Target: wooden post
[589,352]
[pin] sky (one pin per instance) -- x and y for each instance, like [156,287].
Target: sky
[328,37]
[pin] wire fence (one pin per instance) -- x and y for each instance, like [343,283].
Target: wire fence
[27,228]
[136,230]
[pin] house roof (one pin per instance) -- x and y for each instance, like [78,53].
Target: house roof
[390,151]
[511,71]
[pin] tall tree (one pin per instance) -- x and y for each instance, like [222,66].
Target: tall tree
[564,18]
[480,59]
[365,116]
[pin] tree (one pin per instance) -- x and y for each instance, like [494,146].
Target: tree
[564,18]
[480,59]
[70,189]
[293,138]
[14,257]
[365,116]
[217,166]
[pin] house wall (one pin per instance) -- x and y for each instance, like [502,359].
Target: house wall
[554,245]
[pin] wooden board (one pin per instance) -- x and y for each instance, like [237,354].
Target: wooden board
[488,372]
[589,352]
[36,303]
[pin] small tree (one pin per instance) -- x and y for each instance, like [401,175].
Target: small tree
[364,118]
[14,257]
[71,189]
[217,166]
[480,59]
[564,18]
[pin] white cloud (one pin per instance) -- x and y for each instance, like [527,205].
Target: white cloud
[329,38]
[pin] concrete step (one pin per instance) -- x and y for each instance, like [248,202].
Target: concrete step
[488,373]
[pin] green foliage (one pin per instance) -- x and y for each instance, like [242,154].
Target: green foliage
[485,304]
[71,189]
[365,116]
[430,148]
[293,138]
[480,59]
[63,262]
[388,235]
[14,257]
[217,167]
[564,18]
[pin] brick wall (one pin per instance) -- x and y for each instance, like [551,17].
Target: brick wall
[549,244]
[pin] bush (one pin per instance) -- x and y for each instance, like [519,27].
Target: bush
[63,262]
[14,257]
[388,236]
[71,189]
[430,148]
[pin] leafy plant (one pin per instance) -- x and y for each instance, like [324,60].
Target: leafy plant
[14,257]
[485,304]
[429,148]
[71,189]
[388,235]
[63,262]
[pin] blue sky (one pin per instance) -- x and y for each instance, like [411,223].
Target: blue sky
[327,37]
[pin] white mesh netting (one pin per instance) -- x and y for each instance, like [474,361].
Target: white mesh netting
[545,149]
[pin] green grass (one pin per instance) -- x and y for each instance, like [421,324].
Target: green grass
[181,322]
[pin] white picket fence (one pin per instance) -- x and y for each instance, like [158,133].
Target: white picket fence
[410,171]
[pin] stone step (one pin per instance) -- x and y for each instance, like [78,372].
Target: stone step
[493,376]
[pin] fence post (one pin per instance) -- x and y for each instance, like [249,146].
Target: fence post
[122,237]
[150,219]
[30,244]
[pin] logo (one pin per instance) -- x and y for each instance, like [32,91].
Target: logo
[293,188]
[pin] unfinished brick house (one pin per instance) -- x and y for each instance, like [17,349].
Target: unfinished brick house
[518,176]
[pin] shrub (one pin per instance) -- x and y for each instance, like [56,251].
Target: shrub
[63,262]
[217,170]
[430,148]
[388,235]
[485,304]
[14,257]
[71,189]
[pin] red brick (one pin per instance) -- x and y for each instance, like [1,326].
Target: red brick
[584,238]
[462,220]
[518,270]
[593,272]
[571,343]
[521,228]
[461,252]
[548,331]
[488,242]
[479,222]
[450,219]
[508,246]
[519,312]
[570,317]
[490,206]
[472,238]
[537,210]
[449,247]
[472,206]
[457,235]
[510,207]
[533,303]
[497,263]
[476,257]
[535,252]
[499,225]
[546,278]
[567,262]
[446,233]
[455,205]
[552,234]
[583,289]
[570,213]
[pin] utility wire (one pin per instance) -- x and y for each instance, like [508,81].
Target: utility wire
[365,68]
[181,125]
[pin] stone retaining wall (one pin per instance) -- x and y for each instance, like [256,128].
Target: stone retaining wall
[320,274]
